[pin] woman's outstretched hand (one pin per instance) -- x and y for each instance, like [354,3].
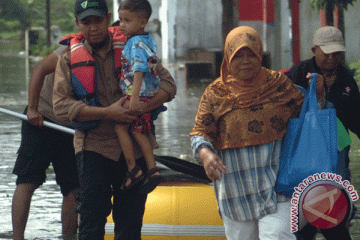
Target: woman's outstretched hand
[213,165]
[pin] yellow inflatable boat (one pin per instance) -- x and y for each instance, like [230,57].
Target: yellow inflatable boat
[181,208]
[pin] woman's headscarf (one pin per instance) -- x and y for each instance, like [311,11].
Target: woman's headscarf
[237,39]
[233,113]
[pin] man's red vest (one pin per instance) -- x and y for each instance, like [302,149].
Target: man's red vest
[83,65]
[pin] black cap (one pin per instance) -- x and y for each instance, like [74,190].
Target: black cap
[85,8]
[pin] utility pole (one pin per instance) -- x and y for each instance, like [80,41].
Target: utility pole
[48,28]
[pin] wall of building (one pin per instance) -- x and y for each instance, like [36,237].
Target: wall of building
[198,25]
[188,25]
[352,33]
[181,26]
[309,23]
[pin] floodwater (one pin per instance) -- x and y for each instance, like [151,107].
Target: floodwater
[172,128]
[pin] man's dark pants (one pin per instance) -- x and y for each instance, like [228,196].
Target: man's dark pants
[100,179]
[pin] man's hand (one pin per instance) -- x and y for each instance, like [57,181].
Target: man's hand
[320,84]
[119,113]
[213,165]
[34,117]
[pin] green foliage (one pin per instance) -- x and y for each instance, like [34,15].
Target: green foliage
[42,50]
[18,15]
[9,25]
[356,66]
[13,10]
[37,44]
[320,4]
[61,14]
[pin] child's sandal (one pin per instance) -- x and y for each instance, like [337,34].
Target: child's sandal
[132,176]
[151,181]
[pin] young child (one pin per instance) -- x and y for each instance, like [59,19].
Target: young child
[140,82]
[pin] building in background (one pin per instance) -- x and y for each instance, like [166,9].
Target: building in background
[187,30]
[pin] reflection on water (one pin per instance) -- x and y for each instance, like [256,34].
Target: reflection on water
[174,125]
[172,128]
[12,68]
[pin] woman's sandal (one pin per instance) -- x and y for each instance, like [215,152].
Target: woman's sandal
[132,176]
[151,181]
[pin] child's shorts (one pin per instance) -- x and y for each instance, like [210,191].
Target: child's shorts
[142,123]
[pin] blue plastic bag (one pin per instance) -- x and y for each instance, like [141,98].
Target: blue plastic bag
[309,146]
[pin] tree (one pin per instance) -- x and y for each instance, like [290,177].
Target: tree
[14,10]
[329,6]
